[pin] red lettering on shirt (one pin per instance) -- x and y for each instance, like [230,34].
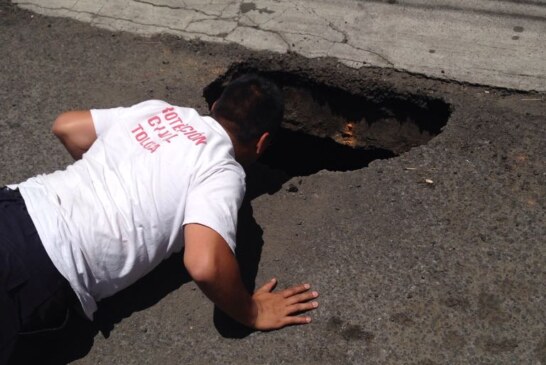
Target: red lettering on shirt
[201,140]
[171,116]
[164,127]
[153,121]
[142,137]
[177,120]
[168,138]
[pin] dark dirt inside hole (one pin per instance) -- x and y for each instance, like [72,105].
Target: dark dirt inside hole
[302,154]
[326,127]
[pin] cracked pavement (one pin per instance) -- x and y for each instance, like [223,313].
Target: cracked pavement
[435,256]
[497,43]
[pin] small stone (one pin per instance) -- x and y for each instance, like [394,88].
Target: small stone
[292,188]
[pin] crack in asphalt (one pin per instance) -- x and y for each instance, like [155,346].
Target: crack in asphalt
[95,15]
[313,35]
[346,40]
[222,35]
[175,7]
[274,17]
[225,35]
[330,24]
[384,58]
[225,8]
[284,40]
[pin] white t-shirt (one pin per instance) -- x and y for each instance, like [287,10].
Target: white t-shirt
[111,217]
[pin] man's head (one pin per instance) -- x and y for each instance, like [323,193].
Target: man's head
[251,109]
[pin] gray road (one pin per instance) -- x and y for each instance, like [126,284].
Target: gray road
[436,256]
[499,43]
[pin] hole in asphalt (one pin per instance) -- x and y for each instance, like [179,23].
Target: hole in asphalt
[302,154]
[325,127]
[329,127]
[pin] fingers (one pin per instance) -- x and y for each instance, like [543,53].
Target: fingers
[301,307]
[267,287]
[298,299]
[289,321]
[281,308]
[295,290]
[303,297]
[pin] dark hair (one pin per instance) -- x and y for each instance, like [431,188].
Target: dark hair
[251,105]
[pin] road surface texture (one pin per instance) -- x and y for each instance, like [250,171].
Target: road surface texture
[491,42]
[432,253]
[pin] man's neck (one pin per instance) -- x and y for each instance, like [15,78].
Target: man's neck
[243,153]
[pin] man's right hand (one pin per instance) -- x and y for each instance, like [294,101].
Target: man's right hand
[275,310]
[215,270]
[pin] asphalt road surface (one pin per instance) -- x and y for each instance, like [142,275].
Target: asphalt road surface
[489,42]
[434,253]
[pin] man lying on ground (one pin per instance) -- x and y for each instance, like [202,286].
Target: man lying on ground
[147,181]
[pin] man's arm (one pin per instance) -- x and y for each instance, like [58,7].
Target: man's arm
[214,268]
[75,129]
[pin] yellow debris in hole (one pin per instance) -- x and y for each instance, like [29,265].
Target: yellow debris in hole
[348,137]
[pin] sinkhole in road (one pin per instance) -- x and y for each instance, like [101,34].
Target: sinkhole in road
[330,127]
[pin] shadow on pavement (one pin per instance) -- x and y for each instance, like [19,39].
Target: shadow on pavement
[248,252]
[293,154]
[76,339]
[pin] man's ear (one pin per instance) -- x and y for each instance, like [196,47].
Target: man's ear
[263,143]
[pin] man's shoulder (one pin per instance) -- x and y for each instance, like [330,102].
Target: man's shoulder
[151,103]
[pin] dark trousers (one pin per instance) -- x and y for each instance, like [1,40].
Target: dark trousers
[34,296]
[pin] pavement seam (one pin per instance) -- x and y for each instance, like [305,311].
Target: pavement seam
[353,36]
[174,7]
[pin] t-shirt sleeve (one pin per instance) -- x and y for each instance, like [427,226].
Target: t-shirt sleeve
[215,201]
[104,118]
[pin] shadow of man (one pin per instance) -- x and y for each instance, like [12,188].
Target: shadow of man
[76,339]
[293,154]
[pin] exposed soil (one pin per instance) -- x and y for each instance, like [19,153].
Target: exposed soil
[375,117]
